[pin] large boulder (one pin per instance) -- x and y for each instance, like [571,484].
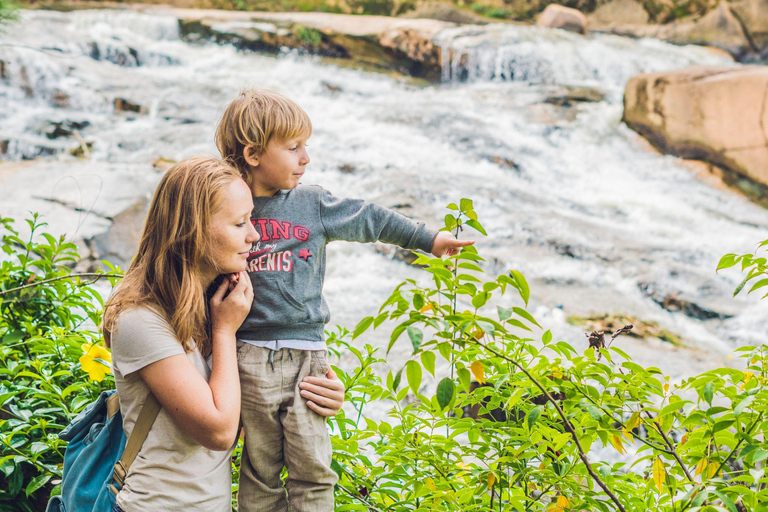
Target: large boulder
[753,14]
[557,16]
[718,28]
[619,12]
[715,114]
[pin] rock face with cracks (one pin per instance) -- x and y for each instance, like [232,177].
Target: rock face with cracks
[719,115]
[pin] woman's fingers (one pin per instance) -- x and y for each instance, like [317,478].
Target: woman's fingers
[322,411]
[219,295]
[320,399]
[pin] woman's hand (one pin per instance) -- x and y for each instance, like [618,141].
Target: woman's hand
[231,303]
[325,395]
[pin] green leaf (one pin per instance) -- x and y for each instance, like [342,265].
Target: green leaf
[37,483]
[546,337]
[12,337]
[741,285]
[413,373]
[15,480]
[395,334]
[726,501]
[521,284]
[416,337]
[504,313]
[596,413]
[428,360]
[466,205]
[523,313]
[534,414]
[452,206]
[362,326]
[396,381]
[742,405]
[727,261]
[464,378]
[474,224]
[480,299]
[445,390]
[709,391]
[758,285]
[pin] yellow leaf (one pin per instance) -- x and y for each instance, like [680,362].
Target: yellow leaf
[660,422]
[427,307]
[684,439]
[491,480]
[562,502]
[478,371]
[627,434]
[748,376]
[430,484]
[616,442]
[659,473]
[556,373]
[712,469]
[634,421]
[666,388]
[478,334]
[701,466]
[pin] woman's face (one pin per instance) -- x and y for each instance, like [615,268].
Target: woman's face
[231,230]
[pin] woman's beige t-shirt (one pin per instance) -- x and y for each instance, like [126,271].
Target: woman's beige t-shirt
[172,471]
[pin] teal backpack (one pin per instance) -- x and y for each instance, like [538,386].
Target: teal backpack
[98,456]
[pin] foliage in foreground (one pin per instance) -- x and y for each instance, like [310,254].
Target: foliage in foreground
[515,421]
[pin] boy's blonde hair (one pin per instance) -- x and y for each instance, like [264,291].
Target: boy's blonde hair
[253,119]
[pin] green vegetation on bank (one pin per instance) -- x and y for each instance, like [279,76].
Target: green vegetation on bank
[7,10]
[489,412]
[659,11]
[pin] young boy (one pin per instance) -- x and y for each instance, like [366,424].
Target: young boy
[264,135]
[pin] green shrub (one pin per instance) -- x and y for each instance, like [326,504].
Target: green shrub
[540,407]
[48,353]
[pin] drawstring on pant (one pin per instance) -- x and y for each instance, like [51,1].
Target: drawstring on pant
[272,359]
[290,354]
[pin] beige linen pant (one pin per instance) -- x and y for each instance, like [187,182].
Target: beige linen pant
[280,430]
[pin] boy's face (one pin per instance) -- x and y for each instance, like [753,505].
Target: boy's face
[280,167]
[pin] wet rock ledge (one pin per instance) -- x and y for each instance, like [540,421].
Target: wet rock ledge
[373,43]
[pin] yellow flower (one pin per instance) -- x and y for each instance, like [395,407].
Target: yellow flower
[96,360]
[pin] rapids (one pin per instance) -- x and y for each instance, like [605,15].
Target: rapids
[596,219]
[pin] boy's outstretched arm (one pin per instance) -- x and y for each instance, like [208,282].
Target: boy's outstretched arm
[446,244]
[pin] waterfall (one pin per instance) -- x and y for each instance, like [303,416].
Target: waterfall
[596,220]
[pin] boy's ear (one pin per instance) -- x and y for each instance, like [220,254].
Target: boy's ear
[250,156]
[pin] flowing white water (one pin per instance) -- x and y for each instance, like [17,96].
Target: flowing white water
[595,219]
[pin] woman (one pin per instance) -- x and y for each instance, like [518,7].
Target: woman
[160,329]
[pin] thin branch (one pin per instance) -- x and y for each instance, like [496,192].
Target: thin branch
[669,445]
[566,423]
[95,275]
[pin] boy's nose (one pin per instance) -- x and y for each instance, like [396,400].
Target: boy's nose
[305,158]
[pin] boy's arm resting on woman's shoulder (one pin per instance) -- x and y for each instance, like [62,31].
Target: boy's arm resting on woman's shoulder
[356,220]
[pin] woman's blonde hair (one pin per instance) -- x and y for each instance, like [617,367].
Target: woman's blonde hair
[253,119]
[167,272]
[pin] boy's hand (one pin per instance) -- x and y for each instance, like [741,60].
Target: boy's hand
[445,244]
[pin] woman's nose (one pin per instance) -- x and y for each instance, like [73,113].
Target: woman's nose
[253,236]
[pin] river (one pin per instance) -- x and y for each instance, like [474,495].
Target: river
[596,219]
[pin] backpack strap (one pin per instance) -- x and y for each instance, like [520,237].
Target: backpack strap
[138,435]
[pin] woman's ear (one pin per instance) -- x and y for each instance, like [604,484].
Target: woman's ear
[250,156]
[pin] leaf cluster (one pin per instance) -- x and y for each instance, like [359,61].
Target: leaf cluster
[491,412]
[47,313]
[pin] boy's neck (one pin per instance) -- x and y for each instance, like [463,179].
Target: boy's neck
[257,190]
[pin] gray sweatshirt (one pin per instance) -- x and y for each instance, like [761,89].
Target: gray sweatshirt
[287,265]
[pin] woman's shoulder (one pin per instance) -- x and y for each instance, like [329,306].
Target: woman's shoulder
[142,336]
